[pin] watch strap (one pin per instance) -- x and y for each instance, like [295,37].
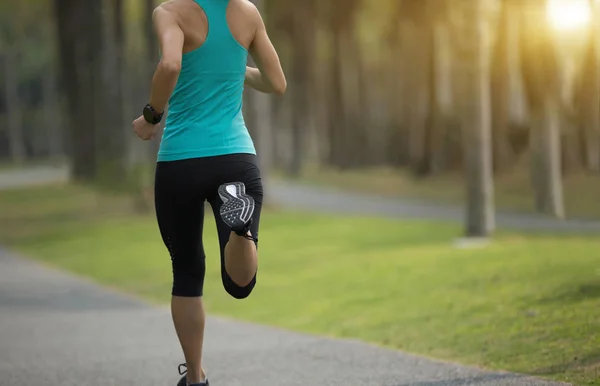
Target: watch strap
[151,115]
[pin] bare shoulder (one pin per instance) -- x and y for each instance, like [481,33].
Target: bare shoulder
[163,11]
[246,5]
[170,10]
[246,8]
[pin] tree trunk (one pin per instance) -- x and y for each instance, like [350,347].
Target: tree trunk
[341,24]
[478,145]
[439,100]
[79,56]
[541,76]
[503,154]
[336,105]
[363,141]
[546,159]
[111,140]
[98,96]
[119,143]
[54,134]
[420,79]
[474,45]
[320,107]
[303,37]
[572,153]
[399,94]
[16,140]
[351,73]
[517,107]
[594,150]
[589,97]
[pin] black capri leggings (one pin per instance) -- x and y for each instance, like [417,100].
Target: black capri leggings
[181,189]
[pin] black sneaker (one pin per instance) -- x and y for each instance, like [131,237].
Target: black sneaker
[237,208]
[183,380]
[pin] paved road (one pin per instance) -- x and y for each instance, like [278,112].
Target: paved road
[57,330]
[31,176]
[334,200]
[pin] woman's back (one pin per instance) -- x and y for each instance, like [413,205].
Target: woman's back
[205,109]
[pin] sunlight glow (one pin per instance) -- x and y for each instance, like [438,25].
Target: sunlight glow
[568,15]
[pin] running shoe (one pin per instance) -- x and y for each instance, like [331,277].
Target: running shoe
[237,208]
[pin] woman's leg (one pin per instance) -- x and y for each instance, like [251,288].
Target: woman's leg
[180,215]
[239,258]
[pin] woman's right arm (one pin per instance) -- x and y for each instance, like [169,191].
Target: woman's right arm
[269,76]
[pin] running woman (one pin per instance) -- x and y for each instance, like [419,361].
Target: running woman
[206,153]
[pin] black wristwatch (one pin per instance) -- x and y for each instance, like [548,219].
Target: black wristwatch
[152,116]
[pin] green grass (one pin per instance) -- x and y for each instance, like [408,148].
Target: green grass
[513,190]
[529,304]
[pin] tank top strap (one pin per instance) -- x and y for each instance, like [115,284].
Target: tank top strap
[216,14]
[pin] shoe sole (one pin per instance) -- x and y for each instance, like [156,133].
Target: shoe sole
[238,207]
[183,382]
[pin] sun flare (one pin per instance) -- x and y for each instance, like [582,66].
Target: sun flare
[568,15]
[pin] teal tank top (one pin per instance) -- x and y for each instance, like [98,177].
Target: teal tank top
[205,110]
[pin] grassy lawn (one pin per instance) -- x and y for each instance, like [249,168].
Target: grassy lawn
[513,190]
[529,304]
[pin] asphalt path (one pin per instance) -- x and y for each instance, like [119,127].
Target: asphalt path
[59,330]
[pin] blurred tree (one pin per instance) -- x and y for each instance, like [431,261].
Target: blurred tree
[440,105]
[434,157]
[119,143]
[471,28]
[353,80]
[341,17]
[419,87]
[20,36]
[111,141]
[151,40]
[587,94]
[417,32]
[593,155]
[303,39]
[52,113]
[79,27]
[279,17]
[542,85]
[500,76]
[16,138]
[396,90]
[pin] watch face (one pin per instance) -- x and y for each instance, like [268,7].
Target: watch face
[149,115]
